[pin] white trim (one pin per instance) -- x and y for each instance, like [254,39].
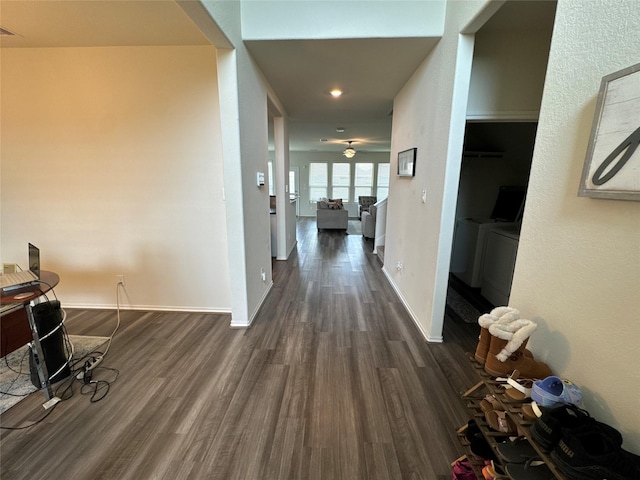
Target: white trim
[506,116]
[252,317]
[289,252]
[149,308]
[413,316]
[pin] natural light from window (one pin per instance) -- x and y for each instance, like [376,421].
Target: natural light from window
[383,181]
[364,180]
[341,181]
[318,180]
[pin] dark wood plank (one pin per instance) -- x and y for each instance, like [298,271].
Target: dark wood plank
[333,380]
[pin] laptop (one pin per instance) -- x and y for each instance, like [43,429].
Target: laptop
[14,281]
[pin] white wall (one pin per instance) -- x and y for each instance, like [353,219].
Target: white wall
[302,161]
[244,96]
[287,19]
[578,265]
[111,164]
[508,74]
[429,113]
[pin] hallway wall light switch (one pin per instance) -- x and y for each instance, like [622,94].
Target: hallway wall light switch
[424,196]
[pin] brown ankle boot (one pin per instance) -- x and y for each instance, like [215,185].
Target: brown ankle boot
[507,352]
[497,315]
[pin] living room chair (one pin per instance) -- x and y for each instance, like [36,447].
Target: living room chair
[368,222]
[365,202]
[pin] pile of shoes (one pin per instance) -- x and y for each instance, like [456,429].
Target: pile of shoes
[579,446]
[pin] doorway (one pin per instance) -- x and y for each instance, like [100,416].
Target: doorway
[507,79]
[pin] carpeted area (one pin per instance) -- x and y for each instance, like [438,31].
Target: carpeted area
[354,227]
[465,303]
[15,381]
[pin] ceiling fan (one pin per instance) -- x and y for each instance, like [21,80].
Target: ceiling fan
[349,152]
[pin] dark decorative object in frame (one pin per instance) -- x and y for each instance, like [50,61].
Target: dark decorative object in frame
[612,165]
[407,163]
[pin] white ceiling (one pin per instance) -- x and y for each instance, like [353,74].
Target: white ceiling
[369,71]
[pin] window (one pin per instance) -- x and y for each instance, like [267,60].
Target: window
[364,179]
[293,185]
[318,179]
[341,181]
[271,180]
[383,181]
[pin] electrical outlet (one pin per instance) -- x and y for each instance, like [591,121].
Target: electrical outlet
[400,266]
[120,279]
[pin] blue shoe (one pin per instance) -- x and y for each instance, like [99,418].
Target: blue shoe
[554,391]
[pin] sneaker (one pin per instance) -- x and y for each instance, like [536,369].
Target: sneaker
[566,420]
[554,391]
[591,455]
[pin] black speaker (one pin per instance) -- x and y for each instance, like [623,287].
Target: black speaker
[48,317]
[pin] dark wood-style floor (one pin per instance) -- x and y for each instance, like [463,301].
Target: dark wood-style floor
[333,381]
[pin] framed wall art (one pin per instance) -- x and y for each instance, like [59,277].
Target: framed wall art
[612,165]
[407,163]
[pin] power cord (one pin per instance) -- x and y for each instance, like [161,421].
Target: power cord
[119,285]
[98,389]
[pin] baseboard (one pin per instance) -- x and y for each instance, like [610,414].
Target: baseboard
[413,316]
[236,324]
[289,252]
[148,308]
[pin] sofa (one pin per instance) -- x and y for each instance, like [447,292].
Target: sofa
[331,214]
[368,221]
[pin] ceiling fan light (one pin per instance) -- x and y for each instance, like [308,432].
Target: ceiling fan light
[349,152]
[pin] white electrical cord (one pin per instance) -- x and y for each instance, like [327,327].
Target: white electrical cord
[118,285]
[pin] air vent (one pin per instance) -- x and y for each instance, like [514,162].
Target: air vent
[5,33]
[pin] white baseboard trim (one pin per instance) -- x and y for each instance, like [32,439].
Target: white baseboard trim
[236,324]
[289,252]
[147,308]
[409,311]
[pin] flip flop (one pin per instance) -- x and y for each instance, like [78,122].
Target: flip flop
[518,389]
[492,471]
[500,421]
[535,470]
[531,411]
[489,403]
[518,451]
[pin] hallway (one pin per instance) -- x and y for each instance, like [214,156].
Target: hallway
[333,381]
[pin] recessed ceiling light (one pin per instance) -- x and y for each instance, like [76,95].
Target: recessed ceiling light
[335,93]
[340,130]
[323,139]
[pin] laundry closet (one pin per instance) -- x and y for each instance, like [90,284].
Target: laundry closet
[491,196]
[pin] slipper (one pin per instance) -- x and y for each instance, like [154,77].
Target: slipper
[518,451]
[531,411]
[489,403]
[554,391]
[481,448]
[518,389]
[535,470]
[500,421]
[493,472]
